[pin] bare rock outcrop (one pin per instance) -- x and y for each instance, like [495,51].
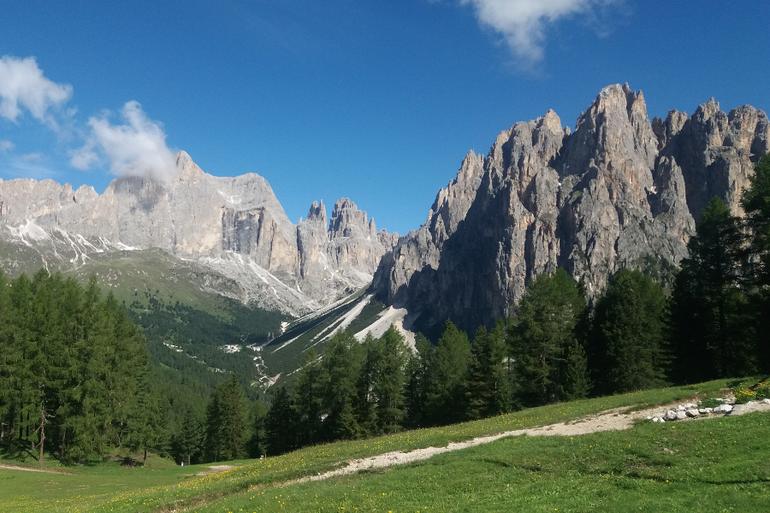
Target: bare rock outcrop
[619,191]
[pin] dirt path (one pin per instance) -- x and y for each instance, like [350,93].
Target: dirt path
[611,420]
[215,469]
[32,469]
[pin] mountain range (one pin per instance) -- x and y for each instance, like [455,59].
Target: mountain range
[619,190]
[233,229]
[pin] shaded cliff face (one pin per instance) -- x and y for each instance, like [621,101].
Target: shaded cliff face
[620,191]
[235,226]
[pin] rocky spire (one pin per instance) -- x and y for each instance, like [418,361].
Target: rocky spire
[317,212]
[348,221]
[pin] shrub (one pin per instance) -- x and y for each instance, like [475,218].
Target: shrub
[710,402]
[744,395]
[762,390]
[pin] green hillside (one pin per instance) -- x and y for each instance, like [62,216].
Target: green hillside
[721,463]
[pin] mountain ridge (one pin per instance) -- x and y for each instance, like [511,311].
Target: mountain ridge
[233,225]
[620,190]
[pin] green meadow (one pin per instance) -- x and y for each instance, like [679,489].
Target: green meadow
[719,464]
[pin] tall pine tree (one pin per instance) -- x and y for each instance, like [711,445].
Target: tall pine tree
[226,427]
[444,385]
[542,335]
[488,383]
[710,316]
[628,343]
[756,204]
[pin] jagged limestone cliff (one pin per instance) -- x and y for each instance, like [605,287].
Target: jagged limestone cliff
[619,191]
[235,227]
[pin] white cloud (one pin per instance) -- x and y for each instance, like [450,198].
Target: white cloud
[523,23]
[23,86]
[6,146]
[135,148]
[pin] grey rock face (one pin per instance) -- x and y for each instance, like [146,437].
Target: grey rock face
[620,191]
[234,225]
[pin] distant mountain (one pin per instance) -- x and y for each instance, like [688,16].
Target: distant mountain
[210,267]
[234,230]
[621,190]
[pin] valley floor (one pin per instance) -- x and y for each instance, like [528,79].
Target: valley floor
[721,465]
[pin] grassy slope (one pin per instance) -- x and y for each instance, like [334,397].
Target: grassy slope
[167,297]
[198,492]
[720,465]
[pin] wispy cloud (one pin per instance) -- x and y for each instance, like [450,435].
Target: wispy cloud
[523,24]
[6,146]
[137,147]
[27,165]
[24,88]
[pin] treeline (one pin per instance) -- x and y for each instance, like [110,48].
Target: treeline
[74,376]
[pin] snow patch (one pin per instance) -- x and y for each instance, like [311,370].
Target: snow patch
[390,317]
[346,320]
[29,231]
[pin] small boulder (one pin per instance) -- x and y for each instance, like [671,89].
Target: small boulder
[692,412]
[723,408]
[680,415]
[670,415]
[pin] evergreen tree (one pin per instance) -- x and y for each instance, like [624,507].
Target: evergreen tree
[9,364]
[628,340]
[447,368]
[756,204]
[342,364]
[71,370]
[542,334]
[309,400]
[487,388]
[416,382]
[226,422]
[575,381]
[711,328]
[281,423]
[187,443]
[258,443]
[366,402]
[388,385]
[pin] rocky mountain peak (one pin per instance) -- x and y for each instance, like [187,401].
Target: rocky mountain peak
[348,221]
[317,213]
[551,122]
[618,191]
[233,225]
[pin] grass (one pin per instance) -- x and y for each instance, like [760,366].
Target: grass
[81,488]
[720,465]
[123,491]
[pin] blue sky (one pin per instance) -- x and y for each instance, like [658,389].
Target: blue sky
[378,101]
